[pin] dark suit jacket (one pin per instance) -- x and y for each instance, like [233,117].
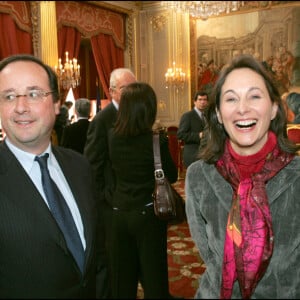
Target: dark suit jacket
[74,135]
[190,126]
[96,150]
[34,259]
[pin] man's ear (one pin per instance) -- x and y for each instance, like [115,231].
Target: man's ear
[57,107]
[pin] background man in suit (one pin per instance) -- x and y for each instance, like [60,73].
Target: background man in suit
[62,120]
[191,127]
[96,147]
[35,259]
[74,135]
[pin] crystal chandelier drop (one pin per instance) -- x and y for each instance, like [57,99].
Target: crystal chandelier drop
[203,9]
[68,73]
[175,77]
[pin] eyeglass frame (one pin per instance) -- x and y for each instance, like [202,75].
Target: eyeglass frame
[41,96]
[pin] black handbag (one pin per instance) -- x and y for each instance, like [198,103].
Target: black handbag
[167,202]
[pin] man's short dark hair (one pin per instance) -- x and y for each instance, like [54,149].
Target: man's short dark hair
[200,93]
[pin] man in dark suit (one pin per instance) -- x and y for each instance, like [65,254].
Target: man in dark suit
[62,120]
[35,257]
[74,135]
[96,147]
[190,129]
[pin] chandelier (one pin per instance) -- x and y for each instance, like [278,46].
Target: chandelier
[203,9]
[68,73]
[175,77]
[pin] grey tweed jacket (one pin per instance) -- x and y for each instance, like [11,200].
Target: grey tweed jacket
[207,205]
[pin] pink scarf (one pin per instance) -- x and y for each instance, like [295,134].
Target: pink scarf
[249,236]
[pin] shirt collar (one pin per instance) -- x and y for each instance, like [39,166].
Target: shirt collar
[26,159]
[198,111]
[116,104]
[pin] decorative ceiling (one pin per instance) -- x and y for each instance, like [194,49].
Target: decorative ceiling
[128,7]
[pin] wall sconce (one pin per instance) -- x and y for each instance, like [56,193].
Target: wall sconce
[69,73]
[175,77]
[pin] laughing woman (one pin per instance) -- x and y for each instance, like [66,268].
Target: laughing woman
[244,212]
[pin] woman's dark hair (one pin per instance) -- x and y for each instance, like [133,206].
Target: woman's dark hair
[137,110]
[53,82]
[213,143]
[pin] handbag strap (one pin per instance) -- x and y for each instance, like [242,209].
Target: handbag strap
[156,151]
[158,172]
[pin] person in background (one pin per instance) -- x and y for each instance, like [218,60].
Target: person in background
[62,120]
[35,260]
[243,193]
[289,114]
[96,147]
[138,237]
[293,103]
[191,127]
[74,135]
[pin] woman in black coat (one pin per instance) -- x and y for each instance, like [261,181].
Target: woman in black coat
[139,238]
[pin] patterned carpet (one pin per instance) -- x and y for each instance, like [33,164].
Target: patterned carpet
[185,264]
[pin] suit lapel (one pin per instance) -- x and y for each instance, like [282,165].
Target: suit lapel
[19,188]
[283,179]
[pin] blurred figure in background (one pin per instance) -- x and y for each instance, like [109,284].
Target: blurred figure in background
[191,127]
[74,135]
[293,103]
[62,120]
[289,114]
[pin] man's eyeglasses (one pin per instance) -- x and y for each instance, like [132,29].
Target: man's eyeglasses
[32,96]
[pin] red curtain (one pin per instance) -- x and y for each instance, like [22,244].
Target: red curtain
[68,40]
[105,30]
[12,39]
[107,48]
[107,57]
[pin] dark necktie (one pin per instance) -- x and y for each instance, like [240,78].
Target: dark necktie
[202,117]
[61,212]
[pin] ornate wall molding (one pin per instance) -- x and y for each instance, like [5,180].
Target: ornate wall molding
[90,20]
[158,22]
[20,11]
[35,20]
[193,59]
[129,38]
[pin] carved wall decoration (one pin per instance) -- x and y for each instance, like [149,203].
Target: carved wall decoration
[129,38]
[35,19]
[158,22]
[162,105]
[20,11]
[90,20]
